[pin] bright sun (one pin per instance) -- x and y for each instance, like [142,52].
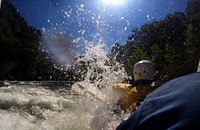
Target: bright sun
[113,2]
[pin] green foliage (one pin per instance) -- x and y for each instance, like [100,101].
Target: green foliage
[117,52]
[139,54]
[193,13]
[157,54]
[192,47]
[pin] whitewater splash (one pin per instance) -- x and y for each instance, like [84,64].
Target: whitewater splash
[33,106]
[84,105]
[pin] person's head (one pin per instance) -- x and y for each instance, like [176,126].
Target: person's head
[144,70]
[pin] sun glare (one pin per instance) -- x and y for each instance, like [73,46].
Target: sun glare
[113,2]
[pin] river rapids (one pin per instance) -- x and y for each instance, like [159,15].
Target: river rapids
[39,106]
[63,105]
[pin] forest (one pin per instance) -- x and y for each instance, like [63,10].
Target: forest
[21,57]
[172,44]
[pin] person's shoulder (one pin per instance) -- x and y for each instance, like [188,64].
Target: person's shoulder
[192,76]
[188,77]
[186,80]
[178,84]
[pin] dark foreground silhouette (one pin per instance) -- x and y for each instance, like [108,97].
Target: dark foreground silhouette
[173,106]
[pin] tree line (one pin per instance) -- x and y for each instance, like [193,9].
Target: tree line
[21,57]
[172,44]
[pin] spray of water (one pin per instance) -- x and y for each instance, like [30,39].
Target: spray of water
[97,85]
[58,47]
[88,58]
[86,105]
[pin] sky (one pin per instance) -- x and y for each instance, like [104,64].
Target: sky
[107,21]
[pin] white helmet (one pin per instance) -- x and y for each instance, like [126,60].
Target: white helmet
[144,70]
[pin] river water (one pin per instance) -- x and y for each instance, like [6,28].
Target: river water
[89,104]
[63,105]
[55,106]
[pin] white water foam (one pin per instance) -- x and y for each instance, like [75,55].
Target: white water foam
[87,106]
